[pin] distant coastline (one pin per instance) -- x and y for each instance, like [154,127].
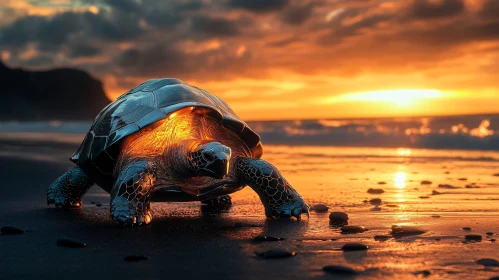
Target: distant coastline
[58,94]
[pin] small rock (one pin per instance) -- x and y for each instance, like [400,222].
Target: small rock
[400,231]
[463,179]
[447,186]
[354,247]
[382,237]
[473,237]
[376,208]
[447,172]
[276,254]
[392,205]
[382,183]
[426,182]
[494,278]
[268,238]
[488,262]
[434,192]
[338,269]
[424,273]
[71,243]
[467,228]
[375,191]
[320,208]
[338,218]
[472,187]
[424,197]
[353,229]
[438,239]
[435,216]
[492,240]
[98,204]
[11,230]
[497,175]
[375,201]
[489,233]
[133,258]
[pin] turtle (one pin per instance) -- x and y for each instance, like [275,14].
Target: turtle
[167,140]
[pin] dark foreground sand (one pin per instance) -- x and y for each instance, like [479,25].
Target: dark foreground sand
[187,242]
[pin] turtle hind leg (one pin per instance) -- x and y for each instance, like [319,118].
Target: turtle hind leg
[68,190]
[131,193]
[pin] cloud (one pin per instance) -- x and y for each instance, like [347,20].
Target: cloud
[426,9]
[297,14]
[259,6]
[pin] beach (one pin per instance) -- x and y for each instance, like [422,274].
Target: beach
[437,191]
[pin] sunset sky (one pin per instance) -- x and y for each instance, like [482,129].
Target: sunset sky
[280,59]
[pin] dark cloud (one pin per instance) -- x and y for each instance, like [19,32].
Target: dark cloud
[166,61]
[215,26]
[260,6]
[51,33]
[424,9]
[297,14]
[82,50]
[490,9]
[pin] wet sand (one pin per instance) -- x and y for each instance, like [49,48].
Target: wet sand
[188,241]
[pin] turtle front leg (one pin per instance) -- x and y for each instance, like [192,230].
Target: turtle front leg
[130,196]
[68,190]
[277,195]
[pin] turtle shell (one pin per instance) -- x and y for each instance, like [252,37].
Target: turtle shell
[146,104]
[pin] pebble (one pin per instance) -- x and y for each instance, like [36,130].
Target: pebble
[340,269]
[497,174]
[494,278]
[435,216]
[375,191]
[376,208]
[381,183]
[447,172]
[434,192]
[426,182]
[447,186]
[320,208]
[354,247]
[488,262]
[375,201]
[473,237]
[492,240]
[11,230]
[425,273]
[382,237]
[424,197]
[472,187]
[71,243]
[463,179]
[489,233]
[467,228]
[353,229]
[98,204]
[134,258]
[276,254]
[406,231]
[338,218]
[268,238]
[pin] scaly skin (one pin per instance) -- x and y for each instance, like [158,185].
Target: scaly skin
[278,197]
[68,190]
[131,194]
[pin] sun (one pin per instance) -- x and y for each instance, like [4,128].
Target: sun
[398,97]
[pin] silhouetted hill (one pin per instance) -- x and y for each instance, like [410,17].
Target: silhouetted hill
[59,94]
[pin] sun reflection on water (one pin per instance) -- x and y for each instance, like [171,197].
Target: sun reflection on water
[400,178]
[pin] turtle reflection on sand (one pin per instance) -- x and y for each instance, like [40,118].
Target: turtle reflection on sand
[166,140]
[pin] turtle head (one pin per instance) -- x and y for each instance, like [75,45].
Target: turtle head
[210,159]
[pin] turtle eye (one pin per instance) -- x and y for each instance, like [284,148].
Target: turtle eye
[209,157]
